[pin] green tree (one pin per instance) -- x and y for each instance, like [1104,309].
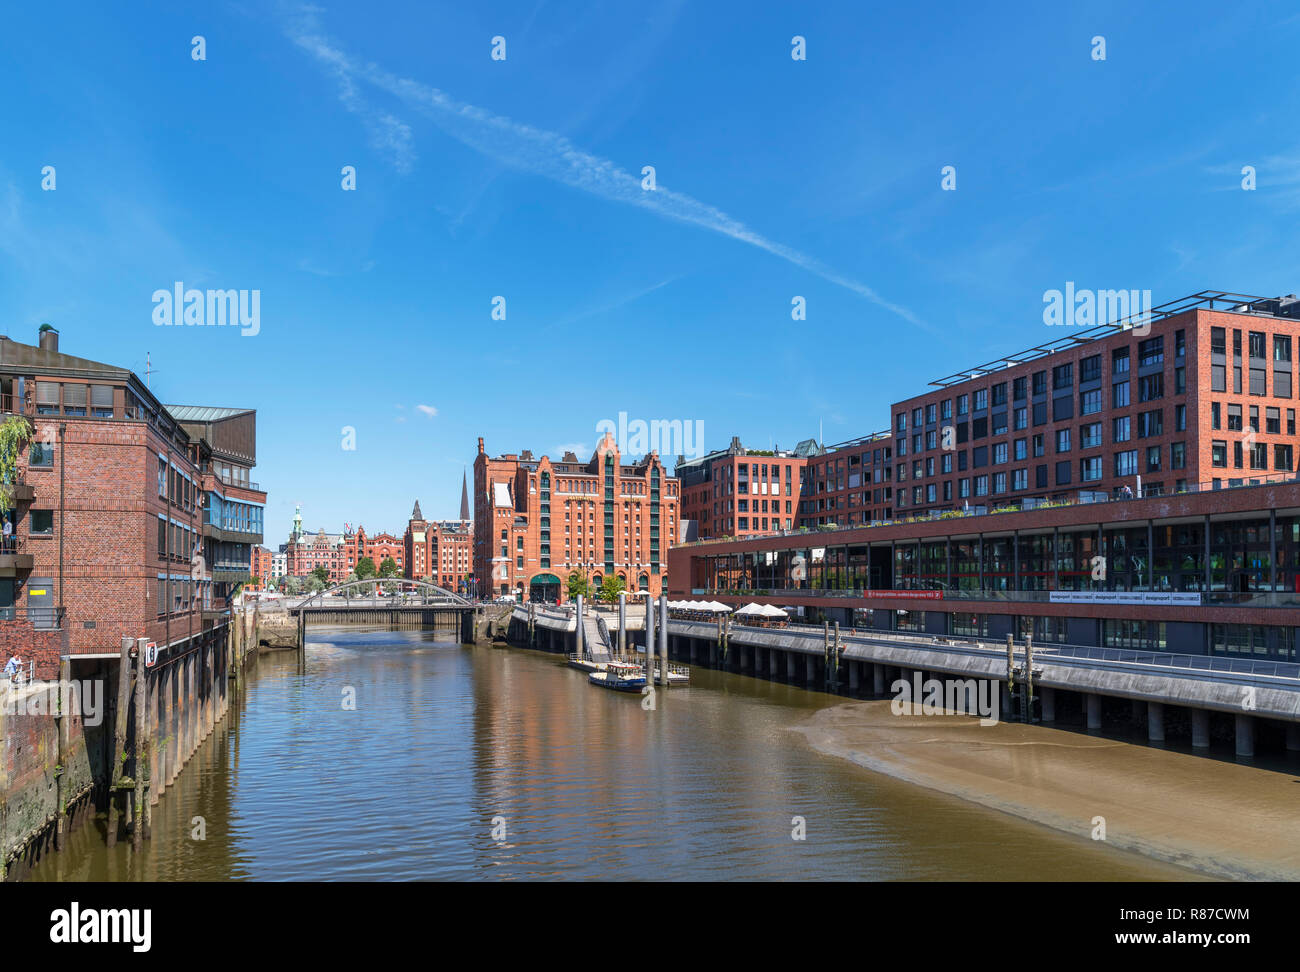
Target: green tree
[322,574]
[388,568]
[294,586]
[365,568]
[577,584]
[314,584]
[610,588]
[15,433]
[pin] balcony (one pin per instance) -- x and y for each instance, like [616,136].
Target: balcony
[12,558]
[21,491]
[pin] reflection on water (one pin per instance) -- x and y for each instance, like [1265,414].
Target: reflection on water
[295,785]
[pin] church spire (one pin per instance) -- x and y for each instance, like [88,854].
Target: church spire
[415,513]
[464,497]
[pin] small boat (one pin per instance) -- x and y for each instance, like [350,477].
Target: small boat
[619,676]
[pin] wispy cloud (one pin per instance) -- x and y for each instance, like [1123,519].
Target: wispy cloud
[427,410]
[540,152]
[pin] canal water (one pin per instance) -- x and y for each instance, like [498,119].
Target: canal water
[396,757]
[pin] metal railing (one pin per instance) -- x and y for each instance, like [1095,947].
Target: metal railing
[1242,599]
[1057,652]
[1026,504]
[41,618]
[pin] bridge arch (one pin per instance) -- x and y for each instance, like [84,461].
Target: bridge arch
[430,593]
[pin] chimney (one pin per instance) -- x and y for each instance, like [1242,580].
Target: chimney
[49,338]
[480,445]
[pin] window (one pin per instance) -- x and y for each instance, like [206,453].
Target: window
[1151,352]
[1126,463]
[1119,395]
[1119,362]
[1062,440]
[1121,429]
[929,414]
[1038,445]
[1090,469]
[1063,473]
[1089,402]
[1021,449]
[1090,368]
[1259,456]
[1000,393]
[1282,458]
[1273,421]
[1022,419]
[41,523]
[40,456]
[1019,388]
[981,485]
[1090,436]
[1254,418]
[1063,376]
[1151,388]
[1180,418]
[1218,378]
[1180,381]
[1258,382]
[1234,417]
[1020,479]
[999,422]
[999,453]
[1257,344]
[1151,424]
[1215,415]
[1218,341]
[981,399]
[1153,459]
[1219,454]
[1178,455]
[1000,482]
[1040,382]
[963,404]
[945,410]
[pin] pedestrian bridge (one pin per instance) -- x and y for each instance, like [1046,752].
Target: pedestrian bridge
[413,604]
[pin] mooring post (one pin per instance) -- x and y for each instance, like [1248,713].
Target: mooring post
[60,735]
[622,624]
[835,653]
[1011,671]
[117,758]
[663,639]
[649,641]
[137,831]
[578,632]
[1029,678]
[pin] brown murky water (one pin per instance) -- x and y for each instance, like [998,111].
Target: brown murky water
[582,783]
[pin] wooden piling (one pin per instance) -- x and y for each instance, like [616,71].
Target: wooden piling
[118,756]
[141,747]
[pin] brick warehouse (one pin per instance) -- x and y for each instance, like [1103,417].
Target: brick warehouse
[440,551]
[536,521]
[1201,558]
[109,531]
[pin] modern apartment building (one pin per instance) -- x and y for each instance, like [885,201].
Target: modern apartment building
[1033,520]
[848,483]
[536,521]
[1204,392]
[741,492]
[233,505]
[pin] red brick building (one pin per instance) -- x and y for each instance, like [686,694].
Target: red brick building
[109,512]
[440,552]
[306,551]
[536,521]
[261,567]
[1209,395]
[359,544]
[741,492]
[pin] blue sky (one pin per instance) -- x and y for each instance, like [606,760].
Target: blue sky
[521,178]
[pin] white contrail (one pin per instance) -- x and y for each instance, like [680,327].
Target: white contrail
[553,156]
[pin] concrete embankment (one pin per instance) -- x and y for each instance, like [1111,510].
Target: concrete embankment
[1212,816]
